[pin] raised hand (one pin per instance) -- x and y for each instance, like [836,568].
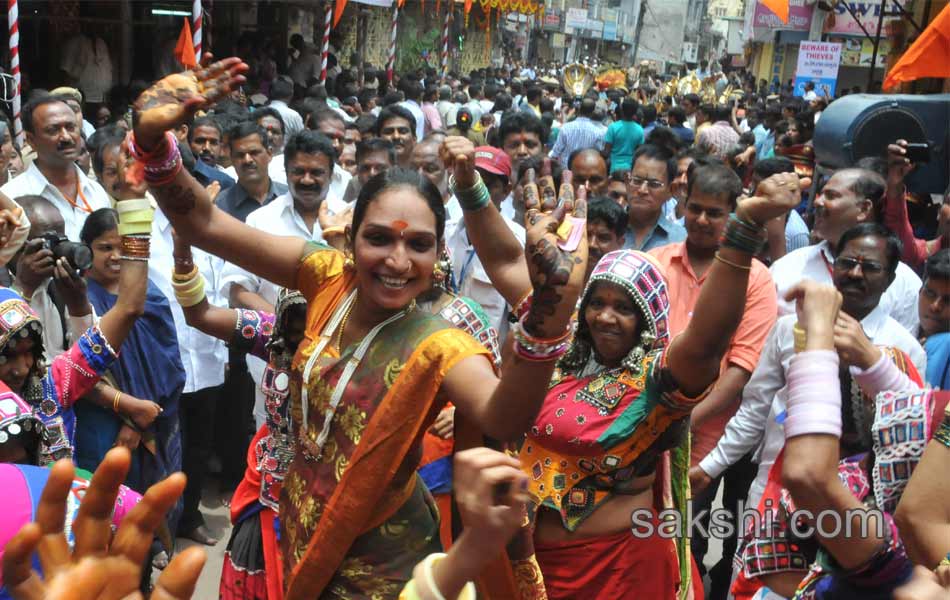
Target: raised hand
[818,307]
[174,99]
[556,252]
[490,489]
[549,196]
[898,165]
[775,196]
[96,569]
[458,156]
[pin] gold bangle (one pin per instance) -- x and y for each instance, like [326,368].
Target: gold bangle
[115,401]
[732,264]
[800,336]
[338,230]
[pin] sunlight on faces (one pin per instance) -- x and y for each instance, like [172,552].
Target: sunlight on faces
[394,261]
[521,146]
[56,136]
[862,285]
[837,208]
[308,177]
[398,131]
[334,130]
[613,320]
[426,161]
[590,169]
[644,201]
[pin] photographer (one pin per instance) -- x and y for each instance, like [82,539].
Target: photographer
[916,251]
[50,283]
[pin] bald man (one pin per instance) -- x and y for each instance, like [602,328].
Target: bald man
[426,161]
[590,170]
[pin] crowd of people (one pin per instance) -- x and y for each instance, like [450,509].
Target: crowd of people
[475,314]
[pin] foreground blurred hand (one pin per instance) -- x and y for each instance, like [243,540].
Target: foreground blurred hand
[99,567]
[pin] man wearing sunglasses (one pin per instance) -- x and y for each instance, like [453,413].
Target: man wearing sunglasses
[648,190]
[849,197]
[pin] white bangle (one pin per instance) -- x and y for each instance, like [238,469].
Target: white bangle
[468,592]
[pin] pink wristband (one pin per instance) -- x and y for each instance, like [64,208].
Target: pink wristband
[882,376]
[814,394]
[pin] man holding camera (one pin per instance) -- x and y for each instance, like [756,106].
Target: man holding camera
[47,276]
[53,132]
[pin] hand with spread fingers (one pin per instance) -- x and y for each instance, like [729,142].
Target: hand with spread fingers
[774,197]
[174,99]
[556,253]
[99,566]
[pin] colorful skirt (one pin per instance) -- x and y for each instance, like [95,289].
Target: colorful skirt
[618,565]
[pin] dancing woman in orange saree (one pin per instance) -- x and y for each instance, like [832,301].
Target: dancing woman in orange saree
[372,371]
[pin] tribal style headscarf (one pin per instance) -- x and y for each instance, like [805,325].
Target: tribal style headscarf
[17,322]
[642,278]
[18,422]
[286,299]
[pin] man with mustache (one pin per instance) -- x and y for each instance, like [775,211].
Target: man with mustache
[397,125]
[711,193]
[204,137]
[309,157]
[850,197]
[865,266]
[251,158]
[53,132]
[648,191]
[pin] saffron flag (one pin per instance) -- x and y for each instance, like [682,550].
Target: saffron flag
[338,11]
[185,49]
[929,56]
[779,7]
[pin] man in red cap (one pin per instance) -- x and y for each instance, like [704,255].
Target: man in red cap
[470,277]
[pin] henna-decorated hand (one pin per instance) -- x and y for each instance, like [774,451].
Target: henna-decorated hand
[556,265]
[549,196]
[458,156]
[174,99]
[775,196]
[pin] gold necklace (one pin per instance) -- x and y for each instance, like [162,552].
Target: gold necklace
[346,317]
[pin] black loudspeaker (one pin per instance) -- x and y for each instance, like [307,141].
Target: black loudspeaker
[861,125]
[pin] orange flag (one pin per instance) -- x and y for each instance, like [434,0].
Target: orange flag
[185,49]
[929,56]
[338,12]
[779,7]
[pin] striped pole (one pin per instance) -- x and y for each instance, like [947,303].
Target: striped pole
[445,44]
[391,62]
[196,27]
[327,24]
[13,18]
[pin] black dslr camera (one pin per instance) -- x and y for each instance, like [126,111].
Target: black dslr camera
[78,255]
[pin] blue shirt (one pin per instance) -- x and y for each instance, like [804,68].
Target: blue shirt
[764,142]
[237,203]
[664,232]
[796,232]
[624,137]
[937,347]
[579,134]
[685,134]
[205,174]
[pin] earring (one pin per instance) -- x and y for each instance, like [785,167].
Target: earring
[348,263]
[438,272]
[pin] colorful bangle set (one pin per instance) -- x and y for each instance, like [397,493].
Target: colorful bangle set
[743,236]
[162,164]
[472,198]
[535,349]
[135,227]
[189,288]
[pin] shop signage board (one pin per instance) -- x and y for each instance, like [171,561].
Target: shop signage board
[817,62]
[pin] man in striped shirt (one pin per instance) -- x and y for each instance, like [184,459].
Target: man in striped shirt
[579,134]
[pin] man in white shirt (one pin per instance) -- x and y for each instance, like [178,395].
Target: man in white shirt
[282,92]
[471,280]
[203,358]
[863,269]
[427,162]
[330,124]
[850,197]
[306,63]
[413,91]
[309,158]
[34,280]
[53,132]
[397,125]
